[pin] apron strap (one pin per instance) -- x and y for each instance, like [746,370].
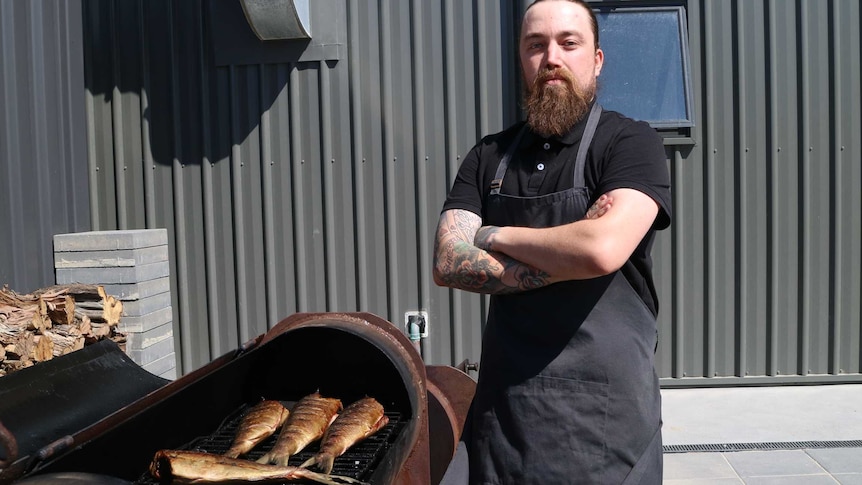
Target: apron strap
[497,183]
[580,160]
[586,141]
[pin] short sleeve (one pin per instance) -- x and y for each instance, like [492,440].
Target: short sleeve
[466,192]
[635,158]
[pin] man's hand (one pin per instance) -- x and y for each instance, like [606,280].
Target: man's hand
[485,237]
[601,207]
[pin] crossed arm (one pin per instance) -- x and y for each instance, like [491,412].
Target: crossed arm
[500,260]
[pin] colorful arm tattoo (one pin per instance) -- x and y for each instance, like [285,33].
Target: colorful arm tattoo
[461,264]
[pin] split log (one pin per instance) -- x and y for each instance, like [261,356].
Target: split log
[43,348]
[61,311]
[65,342]
[54,321]
[20,347]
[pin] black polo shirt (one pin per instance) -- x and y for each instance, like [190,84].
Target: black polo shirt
[624,154]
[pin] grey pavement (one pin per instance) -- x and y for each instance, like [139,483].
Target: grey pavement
[786,435]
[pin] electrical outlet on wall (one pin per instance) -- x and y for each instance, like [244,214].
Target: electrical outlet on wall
[418,317]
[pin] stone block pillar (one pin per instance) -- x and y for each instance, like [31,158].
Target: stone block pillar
[133,266]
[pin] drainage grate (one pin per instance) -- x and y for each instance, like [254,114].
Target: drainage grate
[785,445]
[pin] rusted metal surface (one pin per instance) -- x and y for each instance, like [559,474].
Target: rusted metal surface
[9,446]
[415,467]
[450,393]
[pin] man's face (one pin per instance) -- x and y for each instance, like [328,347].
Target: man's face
[556,35]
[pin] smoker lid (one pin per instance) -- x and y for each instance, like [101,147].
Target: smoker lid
[58,398]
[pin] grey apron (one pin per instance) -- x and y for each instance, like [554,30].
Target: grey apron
[567,390]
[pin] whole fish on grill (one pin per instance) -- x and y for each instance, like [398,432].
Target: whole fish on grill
[308,420]
[258,424]
[360,420]
[194,467]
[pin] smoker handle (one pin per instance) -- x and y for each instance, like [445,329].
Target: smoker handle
[10,446]
[466,366]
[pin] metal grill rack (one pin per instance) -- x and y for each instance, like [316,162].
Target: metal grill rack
[358,462]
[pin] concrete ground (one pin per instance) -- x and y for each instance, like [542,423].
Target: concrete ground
[787,435]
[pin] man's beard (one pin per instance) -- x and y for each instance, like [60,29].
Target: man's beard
[553,109]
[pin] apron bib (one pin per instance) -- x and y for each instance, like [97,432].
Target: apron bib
[567,391]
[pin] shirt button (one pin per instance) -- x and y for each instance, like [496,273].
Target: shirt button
[540,166]
[547,146]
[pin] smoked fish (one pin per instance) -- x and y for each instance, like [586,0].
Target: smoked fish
[308,420]
[195,467]
[258,424]
[360,420]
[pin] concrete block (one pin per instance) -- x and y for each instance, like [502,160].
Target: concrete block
[110,240]
[118,275]
[169,375]
[110,259]
[153,352]
[136,308]
[134,266]
[144,340]
[162,365]
[139,291]
[143,323]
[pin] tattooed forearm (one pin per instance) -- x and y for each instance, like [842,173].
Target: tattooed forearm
[461,264]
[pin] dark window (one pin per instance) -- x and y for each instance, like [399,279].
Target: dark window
[646,70]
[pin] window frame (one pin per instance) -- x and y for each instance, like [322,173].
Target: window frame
[685,56]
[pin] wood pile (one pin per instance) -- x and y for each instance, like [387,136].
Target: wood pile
[54,321]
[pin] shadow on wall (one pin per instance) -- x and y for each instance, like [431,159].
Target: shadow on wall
[187,79]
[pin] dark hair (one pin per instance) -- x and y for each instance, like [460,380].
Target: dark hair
[593,22]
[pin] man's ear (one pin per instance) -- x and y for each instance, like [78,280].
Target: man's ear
[600,61]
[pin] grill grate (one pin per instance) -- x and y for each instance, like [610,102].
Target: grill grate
[358,462]
[785,445]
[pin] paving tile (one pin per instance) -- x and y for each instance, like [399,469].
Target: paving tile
[823,479]
[704,481]
[848,478]
[773,463]
[838,460]
[687,466]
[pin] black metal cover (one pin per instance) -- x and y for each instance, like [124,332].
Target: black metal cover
[44,405]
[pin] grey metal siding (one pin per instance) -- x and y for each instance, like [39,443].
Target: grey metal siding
[768,200]
[315,186]
[43,146]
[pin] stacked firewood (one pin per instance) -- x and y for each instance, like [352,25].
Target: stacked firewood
[54,321]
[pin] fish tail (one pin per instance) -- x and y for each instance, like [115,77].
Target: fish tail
[326,478]
[264,459]
[309,462]
[324,462]
[281,460]
[233,453]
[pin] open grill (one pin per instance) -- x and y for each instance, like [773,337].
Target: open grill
[358,462]
[348,356]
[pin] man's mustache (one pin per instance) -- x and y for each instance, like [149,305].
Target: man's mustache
[546,75]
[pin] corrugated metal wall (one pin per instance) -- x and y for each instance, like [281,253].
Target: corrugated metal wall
[311,186]
[766,244]
[43,147]
[315,186]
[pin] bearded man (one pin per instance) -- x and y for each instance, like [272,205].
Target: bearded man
[555,218]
